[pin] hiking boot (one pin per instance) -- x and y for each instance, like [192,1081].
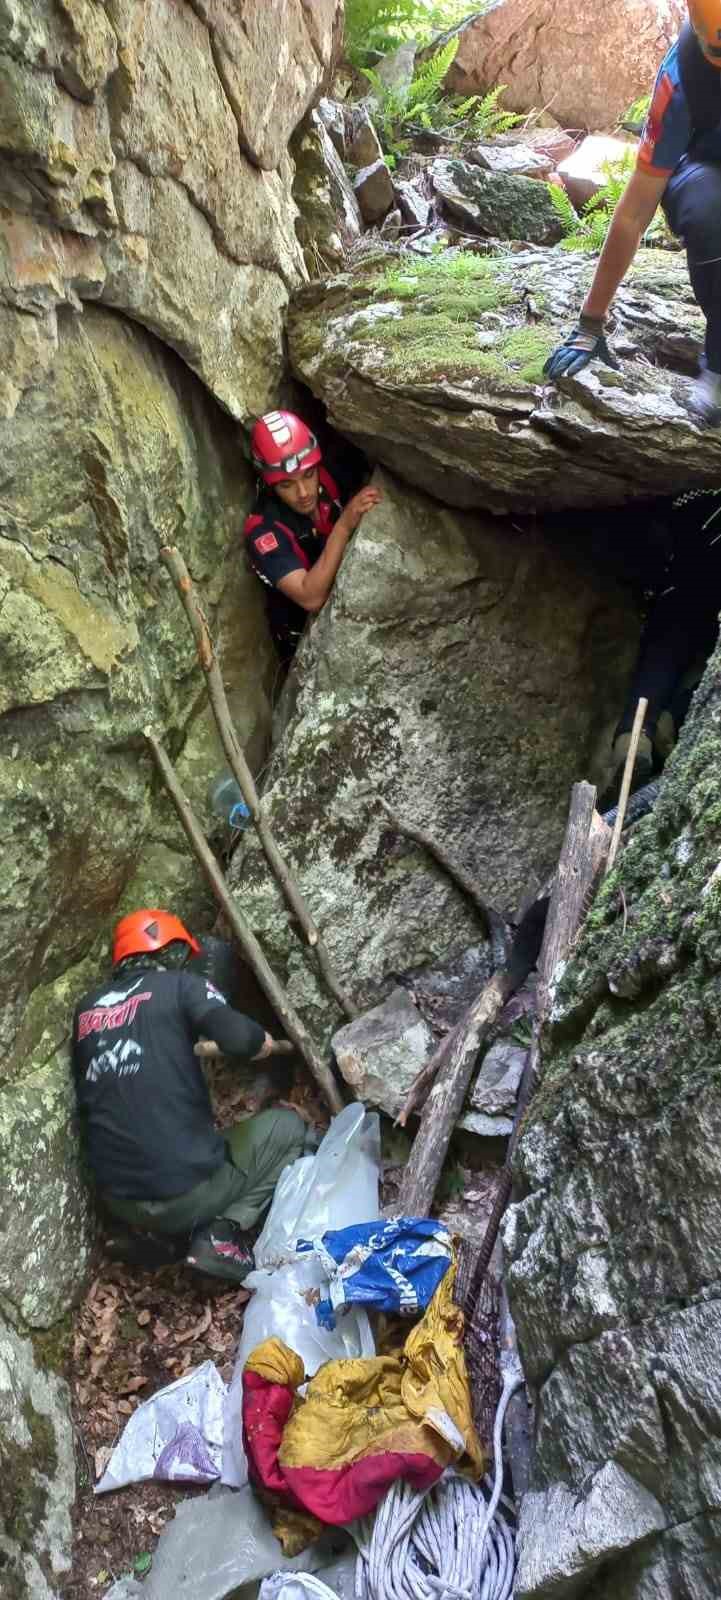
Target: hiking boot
[221,1249]
[642,768]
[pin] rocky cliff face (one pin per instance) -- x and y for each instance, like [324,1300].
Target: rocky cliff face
[147,252]
[614,1246]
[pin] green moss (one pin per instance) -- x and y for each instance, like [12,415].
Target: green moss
[24,1471]
[447,298]
[53,1346]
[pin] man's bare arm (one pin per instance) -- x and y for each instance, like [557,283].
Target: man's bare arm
[311,589]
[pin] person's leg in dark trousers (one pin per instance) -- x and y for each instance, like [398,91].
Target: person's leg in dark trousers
[692,204]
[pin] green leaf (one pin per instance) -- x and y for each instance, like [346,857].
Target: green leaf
[142,1564]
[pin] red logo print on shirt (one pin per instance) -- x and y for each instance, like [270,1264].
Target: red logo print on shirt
[266,543]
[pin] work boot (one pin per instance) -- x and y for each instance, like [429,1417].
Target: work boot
[221,1249]
[704,401]
[642,767]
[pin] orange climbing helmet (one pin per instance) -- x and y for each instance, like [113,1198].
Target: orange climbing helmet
[282,445]
[149,930]
[705,19]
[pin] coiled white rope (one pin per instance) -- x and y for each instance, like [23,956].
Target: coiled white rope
[449,1543]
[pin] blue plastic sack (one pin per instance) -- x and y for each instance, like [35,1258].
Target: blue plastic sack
[393,1265]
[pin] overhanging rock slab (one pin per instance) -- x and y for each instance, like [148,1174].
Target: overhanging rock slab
[435,367]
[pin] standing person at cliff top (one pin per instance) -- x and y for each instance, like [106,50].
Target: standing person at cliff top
[678,167]
[301,524]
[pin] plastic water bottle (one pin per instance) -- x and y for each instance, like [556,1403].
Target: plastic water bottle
[226,801]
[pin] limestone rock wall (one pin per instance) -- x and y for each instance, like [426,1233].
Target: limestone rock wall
[147,251]
[143,162]
[614,1247]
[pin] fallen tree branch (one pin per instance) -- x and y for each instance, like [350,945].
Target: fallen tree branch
[175,564]
[445,1100]
[494,923]
[247,941]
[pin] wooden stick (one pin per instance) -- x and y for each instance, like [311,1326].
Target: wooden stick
[208,1050]
[492,920]
[175,564]
[445,1101]
[247,941]
[636,730]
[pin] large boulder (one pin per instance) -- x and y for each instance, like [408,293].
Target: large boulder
[37,1473]
[136,142]
[614,1246]
[585,64]
[435,367]
[128,452]
[452,674]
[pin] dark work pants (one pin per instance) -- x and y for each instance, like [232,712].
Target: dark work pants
[692,204]
[258,1150]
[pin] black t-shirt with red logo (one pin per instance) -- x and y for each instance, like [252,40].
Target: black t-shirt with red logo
[142,1096]
[280,541]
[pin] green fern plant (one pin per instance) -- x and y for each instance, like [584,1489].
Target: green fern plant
[384,24]
[588,231]
[482,115]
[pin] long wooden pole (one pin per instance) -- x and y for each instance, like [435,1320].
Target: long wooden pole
[641,710]
[270,984]
[173,560]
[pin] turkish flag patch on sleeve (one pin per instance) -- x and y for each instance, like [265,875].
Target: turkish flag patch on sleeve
[266,543]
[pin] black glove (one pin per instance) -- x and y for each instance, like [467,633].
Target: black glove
[586,343]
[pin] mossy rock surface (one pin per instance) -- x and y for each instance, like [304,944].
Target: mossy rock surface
[614,1246]
[434,364]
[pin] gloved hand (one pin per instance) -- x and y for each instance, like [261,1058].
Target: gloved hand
[586,343]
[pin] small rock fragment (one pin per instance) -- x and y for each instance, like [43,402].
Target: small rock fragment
[373,190]
[582,173]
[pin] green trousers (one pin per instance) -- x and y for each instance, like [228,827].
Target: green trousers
[258,1150]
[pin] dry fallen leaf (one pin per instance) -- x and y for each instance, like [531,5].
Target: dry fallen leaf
[125,1408]
[132,1386]
[144,1318]
[101,1459]
[197,1329]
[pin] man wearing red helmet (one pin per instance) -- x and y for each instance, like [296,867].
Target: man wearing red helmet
[299,529]
[156,1156]
[678,166]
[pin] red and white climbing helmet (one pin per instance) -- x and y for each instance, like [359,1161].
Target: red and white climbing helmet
[282,445]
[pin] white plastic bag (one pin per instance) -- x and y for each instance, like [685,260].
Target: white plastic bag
[332,1189]
[177,1435]
[283,1307]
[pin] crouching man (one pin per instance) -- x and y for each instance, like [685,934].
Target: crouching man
[156,1156]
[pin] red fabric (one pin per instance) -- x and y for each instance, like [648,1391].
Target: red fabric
[266,1409]
[333,1495]
[354,1491]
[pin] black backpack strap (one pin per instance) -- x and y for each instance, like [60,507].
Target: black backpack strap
[701,83]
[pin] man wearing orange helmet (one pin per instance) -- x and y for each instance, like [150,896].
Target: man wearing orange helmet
[299,529]
[156,1156]
[679,167]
